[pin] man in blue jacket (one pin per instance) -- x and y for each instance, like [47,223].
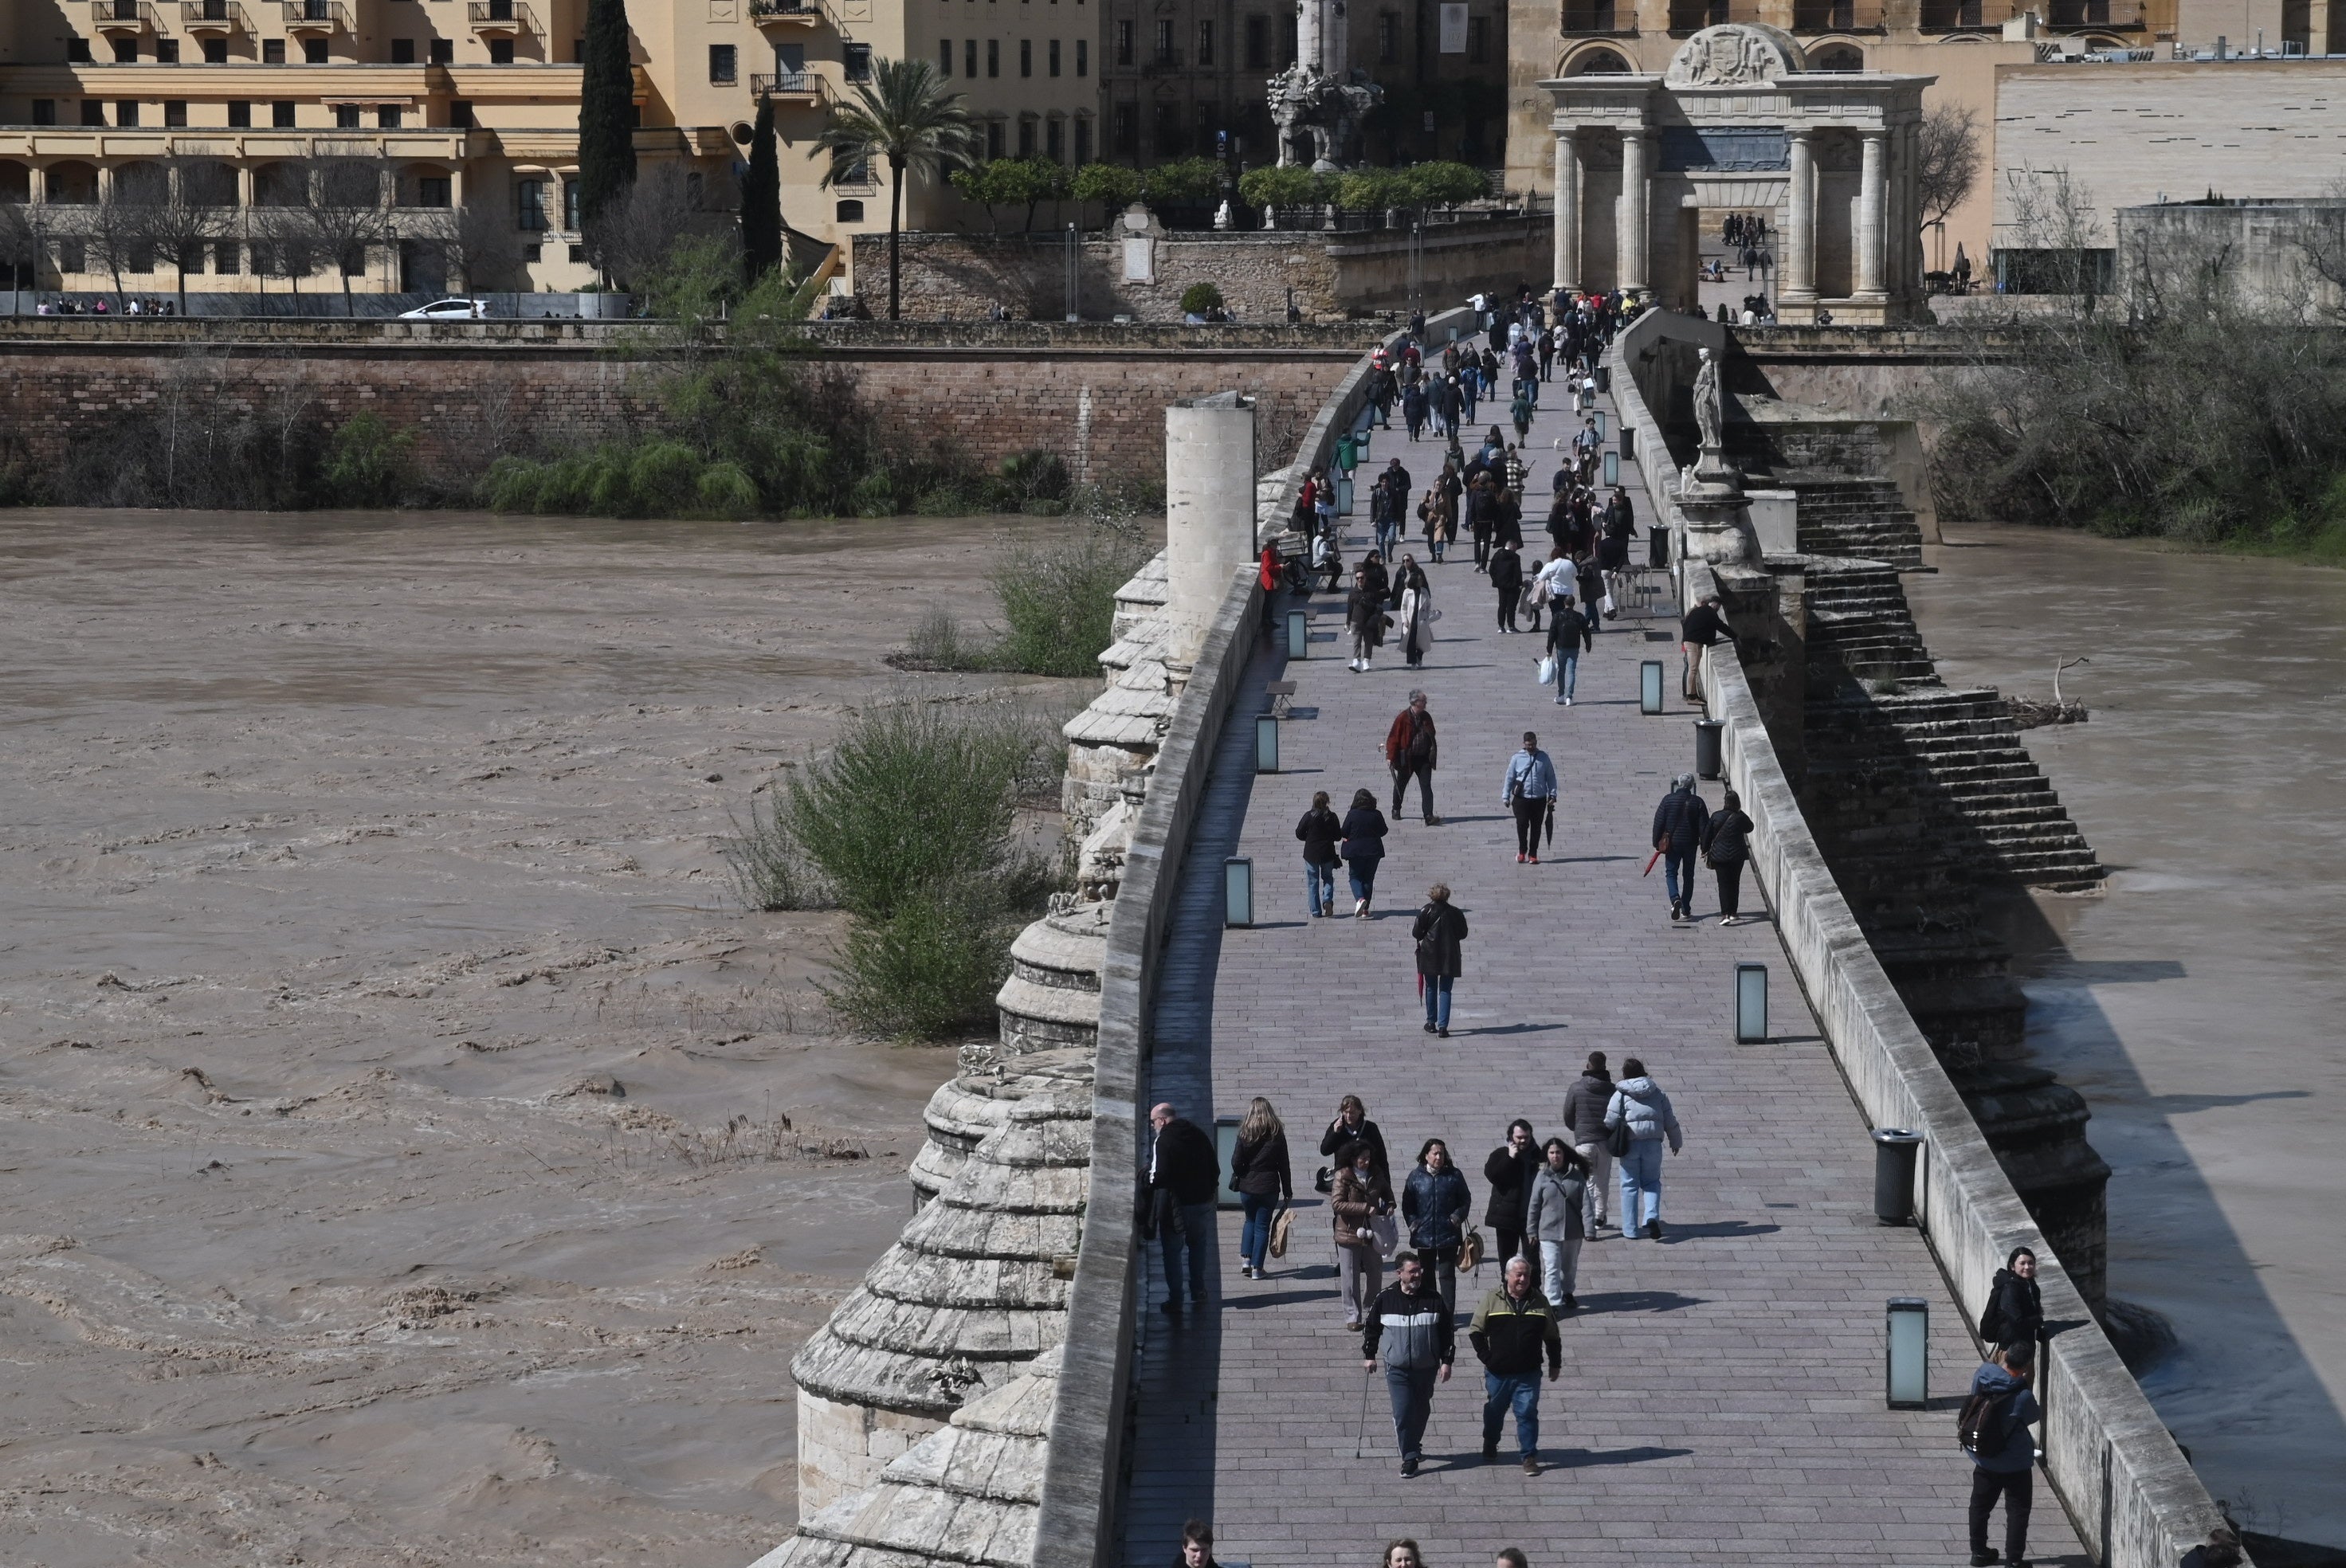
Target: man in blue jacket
[2002,1454]
[1530,791]
[1678,834]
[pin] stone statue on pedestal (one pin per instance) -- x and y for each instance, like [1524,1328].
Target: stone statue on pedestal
[1710,493]
[1706,404]
[1306,101]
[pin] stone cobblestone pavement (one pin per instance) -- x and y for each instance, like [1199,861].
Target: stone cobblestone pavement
[1722,1400]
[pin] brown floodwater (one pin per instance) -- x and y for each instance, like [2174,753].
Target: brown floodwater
[411,1151]
[2195,1003]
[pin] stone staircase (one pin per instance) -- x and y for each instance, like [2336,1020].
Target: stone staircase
[1866,519]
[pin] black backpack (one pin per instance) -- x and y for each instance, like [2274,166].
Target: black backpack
[1975,1428]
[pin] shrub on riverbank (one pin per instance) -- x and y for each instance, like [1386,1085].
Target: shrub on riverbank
[1058,608]
[909,823]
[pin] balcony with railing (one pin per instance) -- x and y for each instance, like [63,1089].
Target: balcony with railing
[501,19]
[1964,16]
[785,13]
[1600,19]
[122,15]
[1693,15]
[317,17]
[2094,15]
[213,16]
[804,87]
[1837,16]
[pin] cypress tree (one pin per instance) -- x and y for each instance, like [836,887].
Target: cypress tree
[762,199]
[607,110]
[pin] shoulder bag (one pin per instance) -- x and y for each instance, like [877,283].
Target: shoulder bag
[1617,1137]
[1279,1227]
[1470,1251]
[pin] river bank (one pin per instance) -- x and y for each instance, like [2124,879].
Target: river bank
[415,1154]
[2192,1003]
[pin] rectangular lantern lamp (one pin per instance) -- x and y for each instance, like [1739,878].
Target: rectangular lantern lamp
[1649,686]
[1299,634]
[1266,743]
[1750,1004]
[1612,468]
[1237,891]
[1600,424]
[1909,1354]
[1344,494]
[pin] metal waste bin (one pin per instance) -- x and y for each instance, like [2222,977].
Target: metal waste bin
[1604,380]
[1706,747]
[1894,1153]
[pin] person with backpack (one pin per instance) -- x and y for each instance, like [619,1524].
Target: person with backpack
[1993,1432]
[1553,1221]
[2014,1314]
[1511,1330]
[1638,1118]
[1436,1206]
[1409,1331]
[1726,847]
[1439,930]
[1358,1198]
[1319,829]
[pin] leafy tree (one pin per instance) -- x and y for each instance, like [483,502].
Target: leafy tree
[1112,185]
[1008,181]
[1444,183]
[1374,189]
[1187,180]
[606,109]
[1273,186]
[762,199]
[905,113]
[1200,298]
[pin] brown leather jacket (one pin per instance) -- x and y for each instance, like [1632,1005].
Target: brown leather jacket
[1352,1200]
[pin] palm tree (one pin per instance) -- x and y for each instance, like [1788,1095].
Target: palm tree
[905,114]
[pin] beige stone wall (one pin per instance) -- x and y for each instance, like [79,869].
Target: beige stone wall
[844,1448]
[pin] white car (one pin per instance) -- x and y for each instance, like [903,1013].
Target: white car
[448,310]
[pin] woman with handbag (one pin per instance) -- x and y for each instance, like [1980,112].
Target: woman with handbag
[1318,830]
[1359,1200]
[1436,1206]
[1726,847]
[1637,1121]
[1264,1180]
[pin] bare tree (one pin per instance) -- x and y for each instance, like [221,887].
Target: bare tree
[474,242]
[636,227]
[193,204]
[345,212]
[1948,160]
[20,246]
[118,229]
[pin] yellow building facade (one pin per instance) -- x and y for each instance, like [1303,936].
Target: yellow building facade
[470,109]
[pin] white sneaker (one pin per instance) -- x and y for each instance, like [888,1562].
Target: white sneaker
[1567,702]
[1730,920]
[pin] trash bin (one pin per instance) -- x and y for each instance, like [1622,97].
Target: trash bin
[1604,378]
[1895,1151]
[1706,747]
[1657,548]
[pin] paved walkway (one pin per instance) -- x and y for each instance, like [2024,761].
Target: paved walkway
[1723,1398]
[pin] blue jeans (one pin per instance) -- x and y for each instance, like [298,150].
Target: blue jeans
[1437,999]
[1362,875]
[1387,538]
[1411,1393]
[1678,863]
[1520,1394]
[1254,1236]
[1567,675]
[1185,1228]
[1319,883]
[1641,1177]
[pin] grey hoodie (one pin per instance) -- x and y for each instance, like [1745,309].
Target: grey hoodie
[1646,1109]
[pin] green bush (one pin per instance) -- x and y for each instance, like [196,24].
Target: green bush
[1032,476]
[1112,185]
[1188,182]
[1200,298]
[874,496]
[929,972]
[1058,603]
[1276,186]
[367,462]
[1444,184]
[1375,191]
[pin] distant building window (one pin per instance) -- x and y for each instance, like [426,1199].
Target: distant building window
[501,51]
[1258,43]
[532,251]
[993,56]
[570,202]
[387,117]
[460,114]
[1083,54]
[76,53]
[1388,39]
[434,190]
[314,52]
[722,64]
[215,51]
[859,62]
[969,58]
[443,51]
[72,256]
[125,51]
[402,51]
[280,113]
[175,111]
[1164,42]
[239,113]
[1127,130]
[125,111]
[1025,56]
[1055,139]
[1055,56]
[45,111]
[1083,141]
[530,205]
[346,117]
[1124,42]
[93,113]
[850,211]
[944,56]
[1169,130]
[167,51]
[273,51]
[1205,43]
[994,139]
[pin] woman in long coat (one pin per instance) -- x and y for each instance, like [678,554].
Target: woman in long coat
[1416,616]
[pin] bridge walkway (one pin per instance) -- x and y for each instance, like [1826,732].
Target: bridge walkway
[1722,1400]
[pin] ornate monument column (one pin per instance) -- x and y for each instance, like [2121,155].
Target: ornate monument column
[1567,212]
[1632,249]
[1801,221]
[1872,209]
[1311,33]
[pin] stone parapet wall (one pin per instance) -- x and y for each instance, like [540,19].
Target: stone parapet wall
[1334,274]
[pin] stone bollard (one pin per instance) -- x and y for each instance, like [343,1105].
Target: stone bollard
[1210,513]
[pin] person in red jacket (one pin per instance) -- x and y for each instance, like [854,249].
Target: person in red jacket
[1410,752]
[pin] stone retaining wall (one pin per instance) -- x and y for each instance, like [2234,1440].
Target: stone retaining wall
[2115,1469]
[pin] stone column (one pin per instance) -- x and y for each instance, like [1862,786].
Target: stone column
[1799,248]
[1872,207]
[1632,249]
[1568,211]
[1336,41]
[1209,517]
[1311,33]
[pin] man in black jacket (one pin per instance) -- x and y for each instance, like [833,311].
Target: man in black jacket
[1703,626]
[1512,1328]
[1677,832]
[1183,1172]
[1412,1323]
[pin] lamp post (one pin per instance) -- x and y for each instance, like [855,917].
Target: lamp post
[1906,1370]
[1237,891]
[1266,743]
[1649,686]
[1750,1004]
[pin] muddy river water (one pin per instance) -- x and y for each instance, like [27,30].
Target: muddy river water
[2197,1004]
[411,1151]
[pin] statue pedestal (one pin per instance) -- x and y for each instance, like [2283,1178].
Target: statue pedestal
[1711,498]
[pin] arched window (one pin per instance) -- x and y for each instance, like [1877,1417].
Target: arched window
[1597,63]
[73,184]
[1837,57]
[16,181]
[208,183]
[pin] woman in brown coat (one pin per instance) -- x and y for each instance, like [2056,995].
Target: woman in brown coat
[1356,1196]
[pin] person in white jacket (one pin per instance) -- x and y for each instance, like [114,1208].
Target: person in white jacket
[1639,1104]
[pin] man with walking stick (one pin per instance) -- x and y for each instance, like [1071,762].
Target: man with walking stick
[1409,1332]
